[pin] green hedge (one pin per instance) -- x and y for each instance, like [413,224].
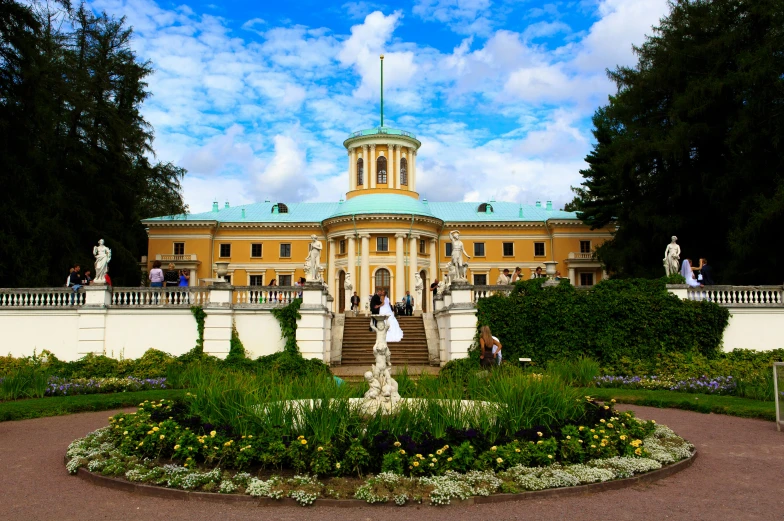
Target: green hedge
[633,318]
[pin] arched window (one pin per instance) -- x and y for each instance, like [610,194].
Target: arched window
[485,208]
[381,168]
[404,172]
[280,208]
[383,280]
[360,172]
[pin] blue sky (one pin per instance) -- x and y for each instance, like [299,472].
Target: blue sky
[256,98]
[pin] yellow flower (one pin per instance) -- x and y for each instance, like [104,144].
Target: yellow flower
[416,463]
[593,446]
[300,437]
[141,443]
[581,428]
[539,442]
[337,465]
[149,432]
[623,437]
[431,464]
[320,449]
[592,430]
[610,425]
[638,451]
[550,456]
[449,459]
[446,447]
[516,450]
[402,451]
[125,433]
[429,455]
[227,444]
[568,437]
[162,436]
[243,437]
[493,448]
[602,420]
[595,437]
[190,448]
[122,419]
[539,434]
[439,452]
[434,460]
[156,429]
[653,421]
[499,460]
[606,407]
[612,401]
[185,465]
[419,456]
[250,436]
[304,442]
[212,434]
[579,441]
[176,447]
[397,444]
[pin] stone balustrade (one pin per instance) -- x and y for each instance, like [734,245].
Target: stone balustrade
[739,295]
[157,297]
[45,298]
[478,292]
[175,257]
[266,295]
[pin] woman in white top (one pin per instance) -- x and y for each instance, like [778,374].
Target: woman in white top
[688,274]
[394,333]
[156,275]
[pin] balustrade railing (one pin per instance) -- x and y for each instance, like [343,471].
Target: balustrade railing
[478,292]
[269,295]
[40,298]
[739,295]
[181,257]
[169,297]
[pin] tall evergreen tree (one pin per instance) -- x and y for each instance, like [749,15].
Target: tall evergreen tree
[692,144]
[75,152]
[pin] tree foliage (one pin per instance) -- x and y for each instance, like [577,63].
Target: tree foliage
[692,144]
[75,151]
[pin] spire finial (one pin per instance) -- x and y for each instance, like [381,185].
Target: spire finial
[382,90]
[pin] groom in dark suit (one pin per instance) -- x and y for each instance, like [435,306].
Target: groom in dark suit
[375,306]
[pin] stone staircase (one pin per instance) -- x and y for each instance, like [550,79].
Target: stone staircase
[358,343]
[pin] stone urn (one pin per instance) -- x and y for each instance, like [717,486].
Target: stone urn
[550,268]
[222,268]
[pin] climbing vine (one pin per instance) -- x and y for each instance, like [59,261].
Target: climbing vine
[237,351]
[287,318]
[199,314]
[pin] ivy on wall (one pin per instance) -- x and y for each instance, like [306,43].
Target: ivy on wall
[287,318]
[200,316]
[634,318]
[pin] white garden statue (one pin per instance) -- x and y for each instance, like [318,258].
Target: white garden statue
[313,261]
[458,250]
[382,392]
[347,285]
[102,257]
[672,257]
[418,284]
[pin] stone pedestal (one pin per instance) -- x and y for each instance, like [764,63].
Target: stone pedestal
[218,324]
[315,323]
[92,319]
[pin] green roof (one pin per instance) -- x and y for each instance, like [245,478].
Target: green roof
[381,130]
[376,204]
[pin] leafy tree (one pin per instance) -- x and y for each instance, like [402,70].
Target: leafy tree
[75,152]
[692,144]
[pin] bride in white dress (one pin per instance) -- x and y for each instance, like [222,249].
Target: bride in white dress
[394,334]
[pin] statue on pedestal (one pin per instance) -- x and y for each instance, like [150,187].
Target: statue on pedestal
[382,392]
[458,250]
[418,284]
[102,257]
[347,285]
[313,261]
[672,257]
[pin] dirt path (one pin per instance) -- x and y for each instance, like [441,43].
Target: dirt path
[739,474]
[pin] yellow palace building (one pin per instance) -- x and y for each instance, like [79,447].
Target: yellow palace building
[380,235]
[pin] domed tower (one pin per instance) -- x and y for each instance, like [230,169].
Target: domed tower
[382,159]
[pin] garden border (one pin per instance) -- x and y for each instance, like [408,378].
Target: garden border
[186,495]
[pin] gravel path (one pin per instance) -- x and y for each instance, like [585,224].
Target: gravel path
[739,474]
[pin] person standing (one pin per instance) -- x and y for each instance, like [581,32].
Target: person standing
[375,305]
[489,348]
[707,273]
[87,279]
[503,278]
[538,273]
[68,278]
[183,283]
[75,281]
[517,275]
[434,289]
[408,301]
[355,303]
[156,275]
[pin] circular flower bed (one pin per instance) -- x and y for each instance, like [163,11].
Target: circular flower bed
[164,444]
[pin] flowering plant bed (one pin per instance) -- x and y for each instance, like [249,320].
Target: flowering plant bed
[162,445]
[703,384]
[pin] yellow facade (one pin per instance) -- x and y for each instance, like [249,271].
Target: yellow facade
[382,234]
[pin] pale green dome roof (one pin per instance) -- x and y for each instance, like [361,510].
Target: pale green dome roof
[382,203]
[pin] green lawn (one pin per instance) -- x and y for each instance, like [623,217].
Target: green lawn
[705,403]
[60,405]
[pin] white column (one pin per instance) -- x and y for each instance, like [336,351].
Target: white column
[365,166]
[364,278]
[352,169]
[352,260]
[413,268]
[372,166]
[400,268]
[572,279]
[332,280]
[412,171]
[395,154]
[434,260]
[193,279]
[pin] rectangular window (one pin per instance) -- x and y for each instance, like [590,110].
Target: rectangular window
[179,248]
[255,250]
[285,280]
[508,249]
[586,279]
[479,249]
[342,247]
[585,246]
[225,250]
[480,280]
[538,249]
[382,243]
[422,247]
[285,250]
[448,250]
[227,278]
[257,280]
